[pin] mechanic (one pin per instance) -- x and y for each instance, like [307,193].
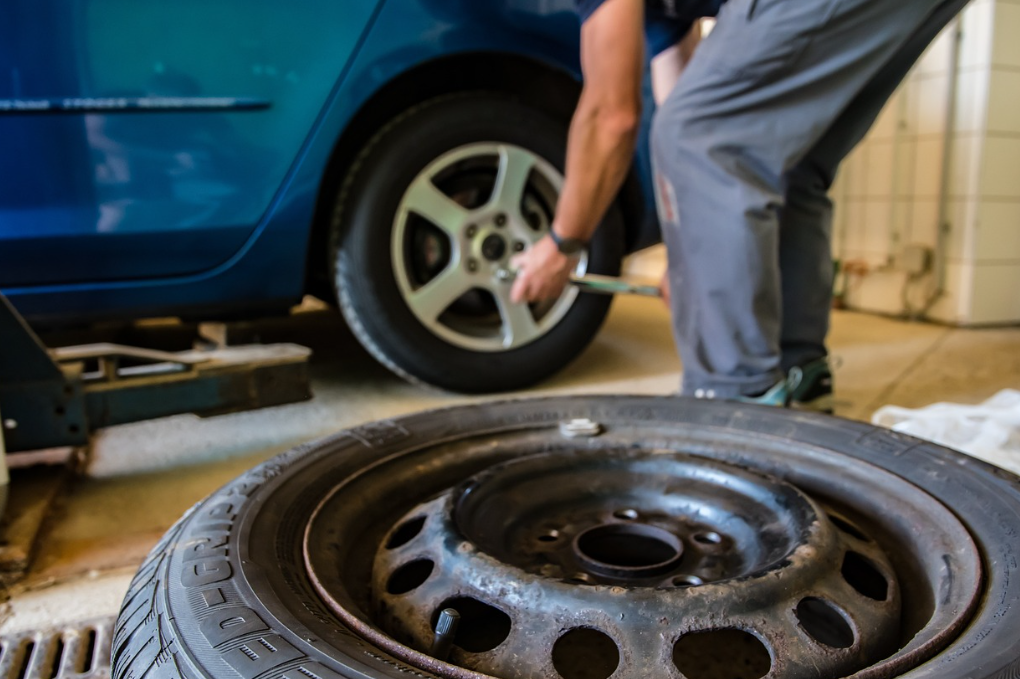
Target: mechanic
[745,148]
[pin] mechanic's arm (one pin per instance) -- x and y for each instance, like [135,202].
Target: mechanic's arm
[600,145]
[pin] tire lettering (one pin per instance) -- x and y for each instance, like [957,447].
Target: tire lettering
[205,547]
[256,657]
[231,623]
[213,597]
[223,511]
[201,573]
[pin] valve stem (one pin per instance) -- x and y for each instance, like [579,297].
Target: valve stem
[446,631]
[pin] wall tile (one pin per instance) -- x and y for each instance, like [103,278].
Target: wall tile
[976,45]
[877,292]
[1004,101]
[932,102]
[965,173]
[880,165]
[928,167]
[1000,167]
[935,59]
[855,172]
[972,101]
[904,162]
[889,121]
[877,221]
[909,90]
[953,306]
[893,180]
[924,222]
[997,237]
[901,218]
[1006,26]
[963,217]
[853,217]
[995,298]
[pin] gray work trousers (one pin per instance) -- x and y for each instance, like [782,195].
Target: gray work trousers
[745,149]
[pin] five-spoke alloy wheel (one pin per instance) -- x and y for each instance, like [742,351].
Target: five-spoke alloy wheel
[425,232]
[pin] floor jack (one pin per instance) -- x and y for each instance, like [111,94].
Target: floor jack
[57,397]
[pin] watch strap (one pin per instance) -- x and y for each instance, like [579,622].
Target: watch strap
[567,246]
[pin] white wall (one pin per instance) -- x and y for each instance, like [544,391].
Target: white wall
[888,190]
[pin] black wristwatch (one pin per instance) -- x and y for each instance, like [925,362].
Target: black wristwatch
[568,246]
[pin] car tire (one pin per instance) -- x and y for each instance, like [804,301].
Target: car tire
[226,592]
[471,352]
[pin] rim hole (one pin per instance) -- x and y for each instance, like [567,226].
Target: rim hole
[865,577]
[482,627]
[824,623]
[848,528]
[721,654]
[405,532]
[687,581]
[626,514]
[585,653]
[410,576]
[549,536]
[708,538]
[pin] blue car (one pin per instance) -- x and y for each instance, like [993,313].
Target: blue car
[222,158]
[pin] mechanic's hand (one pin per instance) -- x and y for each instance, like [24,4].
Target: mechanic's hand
[542,272]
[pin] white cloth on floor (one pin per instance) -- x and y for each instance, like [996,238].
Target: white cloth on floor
[989,431]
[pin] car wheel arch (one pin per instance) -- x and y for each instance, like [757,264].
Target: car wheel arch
[533,81]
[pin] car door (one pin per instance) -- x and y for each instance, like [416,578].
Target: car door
[148,138]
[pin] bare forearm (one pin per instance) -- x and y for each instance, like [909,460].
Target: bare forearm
[600,148]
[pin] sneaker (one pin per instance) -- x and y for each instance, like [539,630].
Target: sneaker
[811,387]
[778,395]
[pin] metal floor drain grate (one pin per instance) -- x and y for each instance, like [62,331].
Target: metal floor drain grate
[82,650]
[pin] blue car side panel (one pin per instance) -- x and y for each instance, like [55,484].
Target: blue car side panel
[153,191]
[267,268]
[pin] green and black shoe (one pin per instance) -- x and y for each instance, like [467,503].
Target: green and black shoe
[811,387]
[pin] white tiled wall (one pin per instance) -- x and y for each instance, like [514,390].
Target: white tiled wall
[887,193]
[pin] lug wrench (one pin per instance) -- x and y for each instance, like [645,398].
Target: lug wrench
[600,285]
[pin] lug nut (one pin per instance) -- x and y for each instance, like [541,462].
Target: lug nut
[472,265]
[500,219]
[471,231]
[518,246]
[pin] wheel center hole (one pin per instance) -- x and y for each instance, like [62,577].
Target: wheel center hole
[627,550]
[493,247]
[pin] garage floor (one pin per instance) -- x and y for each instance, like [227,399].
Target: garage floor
[138,479]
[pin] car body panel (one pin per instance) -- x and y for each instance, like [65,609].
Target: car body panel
[216,211]
[152,191]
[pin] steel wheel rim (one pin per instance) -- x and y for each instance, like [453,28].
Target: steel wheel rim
[472,456]
[480,241]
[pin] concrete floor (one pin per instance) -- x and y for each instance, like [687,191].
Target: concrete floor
[138,479]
